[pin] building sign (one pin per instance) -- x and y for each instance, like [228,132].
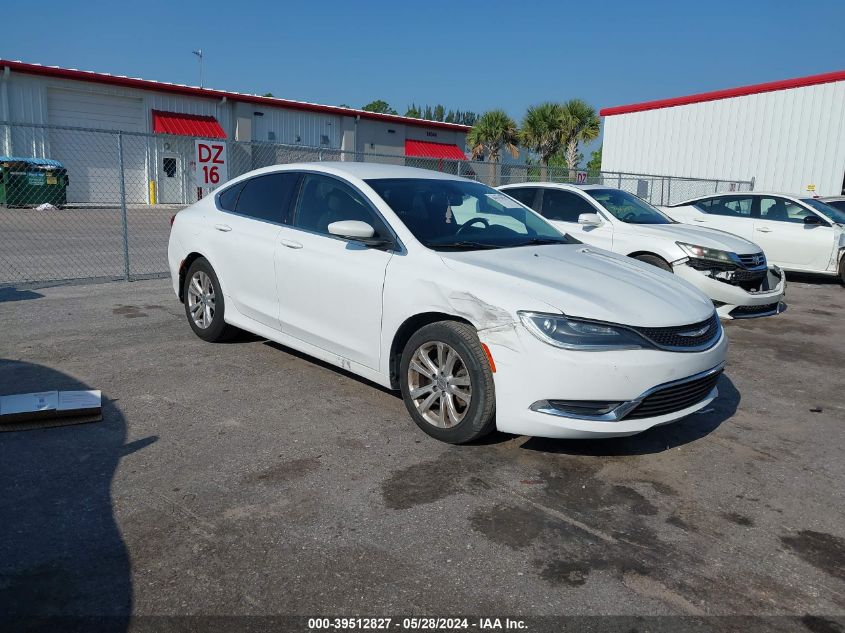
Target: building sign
[35,178]
[811,187]
[580,177]
[732,186]
[210,160]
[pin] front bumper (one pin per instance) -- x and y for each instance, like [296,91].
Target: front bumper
[734,302]
[530,372]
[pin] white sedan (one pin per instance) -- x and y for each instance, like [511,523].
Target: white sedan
[730,270]
[797,233]
[478,310]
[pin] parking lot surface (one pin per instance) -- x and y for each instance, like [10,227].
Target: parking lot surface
[244,478]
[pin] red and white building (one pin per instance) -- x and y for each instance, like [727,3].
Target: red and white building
[786,136]
[70,100]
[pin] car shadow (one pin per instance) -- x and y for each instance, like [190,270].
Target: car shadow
[61,551]
[656,439]
[810,278]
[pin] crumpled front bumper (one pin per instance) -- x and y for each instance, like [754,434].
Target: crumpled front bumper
[734,302]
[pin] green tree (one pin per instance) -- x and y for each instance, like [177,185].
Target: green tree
[543,129]
[413,111]
[439,112]
[595,161]
[582,126]
[379,105]
[493,131]
[450,116]
[268,94]
[427,114]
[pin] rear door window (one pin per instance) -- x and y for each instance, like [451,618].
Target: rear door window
[730,206]
[525,195]
[267,197]
[782,210]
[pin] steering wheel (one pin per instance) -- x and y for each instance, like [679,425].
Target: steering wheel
[472,221]
[629,216]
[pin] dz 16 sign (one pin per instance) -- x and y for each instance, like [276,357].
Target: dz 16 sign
[210,160]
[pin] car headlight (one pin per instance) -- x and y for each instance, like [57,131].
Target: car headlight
[562,331]
[702,252]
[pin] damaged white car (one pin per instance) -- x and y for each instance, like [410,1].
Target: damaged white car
[730,270]
[477,309]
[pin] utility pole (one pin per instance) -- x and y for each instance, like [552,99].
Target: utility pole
[198,53]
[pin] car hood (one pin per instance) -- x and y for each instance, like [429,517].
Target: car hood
[584,281]
[698,235]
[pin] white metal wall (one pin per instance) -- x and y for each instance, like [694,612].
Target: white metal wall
[785,140]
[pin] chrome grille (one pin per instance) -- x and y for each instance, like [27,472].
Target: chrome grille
[675,397]
[693,337]
[753,260]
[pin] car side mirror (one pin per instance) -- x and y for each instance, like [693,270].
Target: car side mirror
[814,220]
[589,219]
[351,229]
[358,231]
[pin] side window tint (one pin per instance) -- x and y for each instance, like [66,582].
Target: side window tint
[228,198]
[730,206]
[525,195]
[323,200]
[782,210]
[564,206]
[267,197]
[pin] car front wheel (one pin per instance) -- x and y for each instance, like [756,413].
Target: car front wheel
[204,305]
[654,260]
[447,383]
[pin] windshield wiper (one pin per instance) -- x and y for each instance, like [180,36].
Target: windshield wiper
[539,241]
[460,245]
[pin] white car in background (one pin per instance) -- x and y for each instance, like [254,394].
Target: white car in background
[731,271]
[797,233]
[482,313]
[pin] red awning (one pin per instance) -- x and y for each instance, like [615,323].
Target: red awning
[186,124]
[434,150]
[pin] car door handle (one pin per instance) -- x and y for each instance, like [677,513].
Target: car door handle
[764,229]
[699,220]
[225,228]
[290,243]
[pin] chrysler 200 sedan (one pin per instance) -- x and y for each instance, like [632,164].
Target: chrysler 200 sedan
[483,314]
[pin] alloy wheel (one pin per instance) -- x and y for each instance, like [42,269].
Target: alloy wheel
[201,298]
[439,384]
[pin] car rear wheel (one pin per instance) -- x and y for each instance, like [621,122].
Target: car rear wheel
[842,270]
[654,260]
[447,383]
[204,304]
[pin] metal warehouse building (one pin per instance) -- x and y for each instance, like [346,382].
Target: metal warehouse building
[785,136]
[65,100]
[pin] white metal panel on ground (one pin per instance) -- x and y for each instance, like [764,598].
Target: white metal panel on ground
[784,139]
[93,171]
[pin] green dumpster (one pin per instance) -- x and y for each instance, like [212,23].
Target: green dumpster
[29,182]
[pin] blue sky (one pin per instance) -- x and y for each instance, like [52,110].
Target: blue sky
[467,55]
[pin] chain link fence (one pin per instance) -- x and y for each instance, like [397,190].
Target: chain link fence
[80,204]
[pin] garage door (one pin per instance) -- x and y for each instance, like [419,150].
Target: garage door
[91,159]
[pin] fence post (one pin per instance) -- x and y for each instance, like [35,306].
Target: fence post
[619,186]
[669,190]
[123,206]
[320,155]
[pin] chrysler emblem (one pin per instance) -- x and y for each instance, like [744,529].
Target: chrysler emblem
[695,333]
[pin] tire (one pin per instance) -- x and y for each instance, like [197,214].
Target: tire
[214,329]
[448,417]
[654,260]
[841,270]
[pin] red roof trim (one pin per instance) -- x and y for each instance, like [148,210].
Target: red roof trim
[146,84]
[186,124]
[429,149]
[785,84]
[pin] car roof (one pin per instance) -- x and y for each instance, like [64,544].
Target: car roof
[796,196]
[556,185]
[364,171]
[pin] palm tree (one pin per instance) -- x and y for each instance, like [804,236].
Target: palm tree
[582,126]
[543,131]
[492,131]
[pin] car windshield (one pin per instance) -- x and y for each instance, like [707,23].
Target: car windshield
[627,207]
[828,211]
[464,215]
